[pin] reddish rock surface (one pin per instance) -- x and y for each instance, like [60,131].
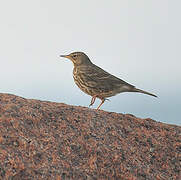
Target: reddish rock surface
[47,140]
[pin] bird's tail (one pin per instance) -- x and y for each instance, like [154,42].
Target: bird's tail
[141,91]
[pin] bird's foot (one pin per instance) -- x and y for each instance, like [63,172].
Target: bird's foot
[92,100]
[90,104]
[102,101]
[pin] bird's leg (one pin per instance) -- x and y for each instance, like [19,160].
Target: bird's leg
[92,100]
[100,104]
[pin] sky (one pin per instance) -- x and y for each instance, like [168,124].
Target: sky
[138,41]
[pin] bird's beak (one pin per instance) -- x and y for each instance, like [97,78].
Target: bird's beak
[65,56]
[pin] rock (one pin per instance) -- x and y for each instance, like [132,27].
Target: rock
[47,140]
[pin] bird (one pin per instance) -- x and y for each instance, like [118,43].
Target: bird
[97,82]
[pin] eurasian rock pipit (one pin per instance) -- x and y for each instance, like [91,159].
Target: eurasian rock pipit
[96,82]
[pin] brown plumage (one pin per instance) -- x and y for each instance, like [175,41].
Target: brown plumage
[96,82]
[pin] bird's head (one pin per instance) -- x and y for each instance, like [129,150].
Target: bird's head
[78,58]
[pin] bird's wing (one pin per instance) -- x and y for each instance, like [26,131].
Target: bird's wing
[95,77]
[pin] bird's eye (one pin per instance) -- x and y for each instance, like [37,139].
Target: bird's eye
[74,56]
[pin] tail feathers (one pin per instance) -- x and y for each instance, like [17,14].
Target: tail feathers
[144,92]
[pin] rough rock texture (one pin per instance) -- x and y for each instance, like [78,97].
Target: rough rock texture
[46,140]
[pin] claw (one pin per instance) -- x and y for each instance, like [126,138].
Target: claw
[90,104]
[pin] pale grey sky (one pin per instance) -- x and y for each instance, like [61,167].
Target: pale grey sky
[139,41]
